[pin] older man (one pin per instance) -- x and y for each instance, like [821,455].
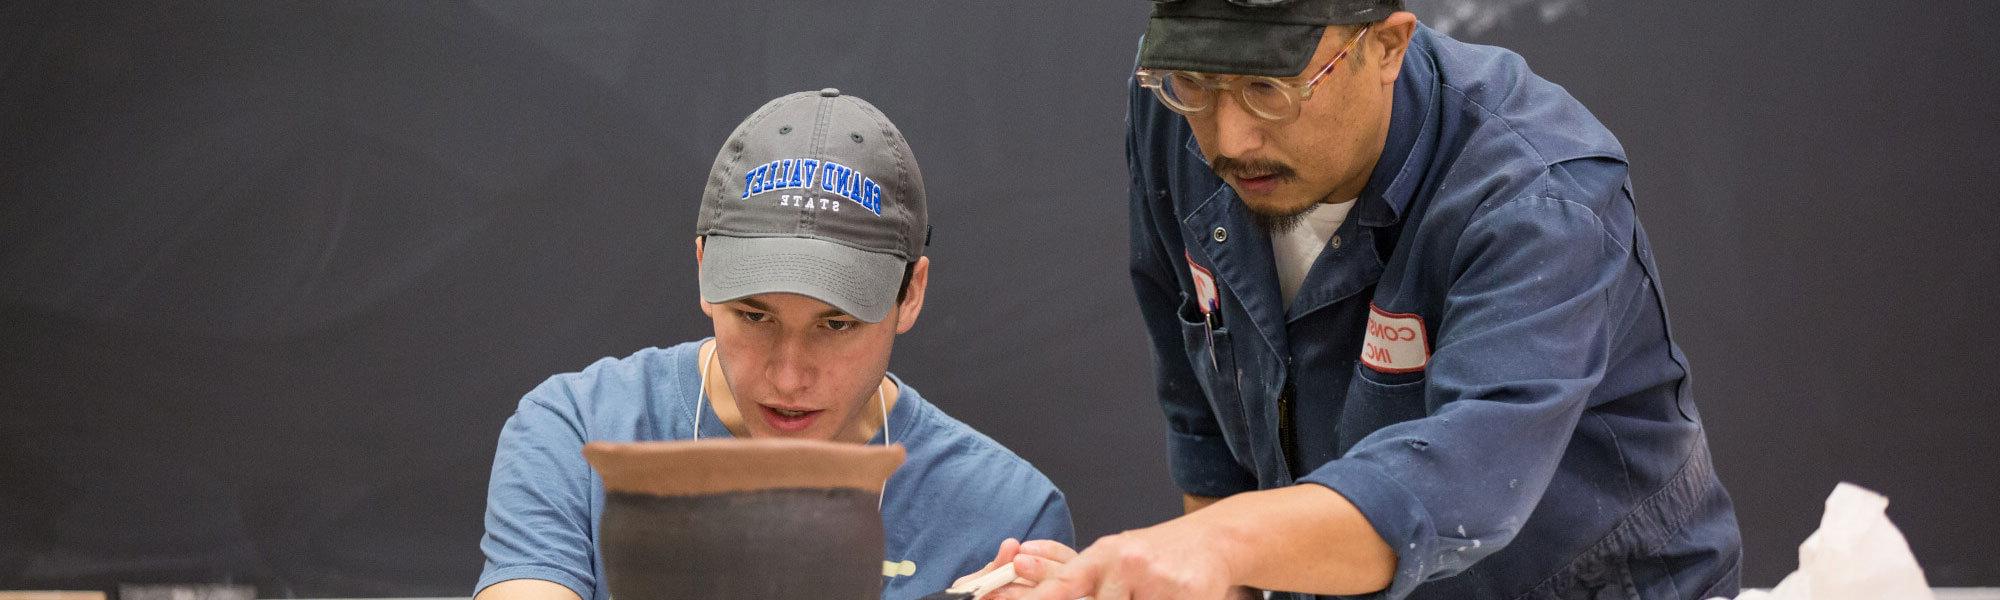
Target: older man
[1410,338]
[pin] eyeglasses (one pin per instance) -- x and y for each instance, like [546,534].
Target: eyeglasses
[1272,99]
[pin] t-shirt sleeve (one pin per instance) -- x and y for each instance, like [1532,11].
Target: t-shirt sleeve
[1053,521]
[956,500]
[538,523]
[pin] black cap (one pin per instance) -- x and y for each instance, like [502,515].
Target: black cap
[1248,37]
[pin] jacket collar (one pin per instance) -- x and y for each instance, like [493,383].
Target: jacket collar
[1242,260]
[1243,263]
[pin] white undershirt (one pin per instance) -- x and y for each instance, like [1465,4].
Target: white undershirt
[1297,248]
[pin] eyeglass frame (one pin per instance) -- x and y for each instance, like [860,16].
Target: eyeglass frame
[1156,80]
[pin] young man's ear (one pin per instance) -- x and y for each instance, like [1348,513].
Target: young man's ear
[706,308]
[913,296]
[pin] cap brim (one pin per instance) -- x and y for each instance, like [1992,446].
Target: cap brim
[855,281]
[1209,45]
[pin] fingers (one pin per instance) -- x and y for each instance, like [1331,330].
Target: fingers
[1033,568]
[1011,591]
[1039,559]
[1049,549]
[1008,548]
[1074,579]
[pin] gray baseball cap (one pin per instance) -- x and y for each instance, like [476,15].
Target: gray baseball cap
[1248,37]
[816,194]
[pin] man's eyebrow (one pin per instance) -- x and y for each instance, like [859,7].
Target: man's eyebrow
[761,307]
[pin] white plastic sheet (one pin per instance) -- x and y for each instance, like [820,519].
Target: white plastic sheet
[1856,554]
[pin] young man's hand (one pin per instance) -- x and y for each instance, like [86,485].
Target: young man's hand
[1033,561]
[1008,549]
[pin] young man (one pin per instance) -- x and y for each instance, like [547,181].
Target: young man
[810,246]
[1416,346]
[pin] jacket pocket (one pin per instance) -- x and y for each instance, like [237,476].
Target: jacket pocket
[1213,360]
[1376,400]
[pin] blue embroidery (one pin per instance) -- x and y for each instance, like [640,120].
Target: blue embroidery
[803,173]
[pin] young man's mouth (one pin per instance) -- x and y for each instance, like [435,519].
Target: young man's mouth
[788,420]
[1258,185]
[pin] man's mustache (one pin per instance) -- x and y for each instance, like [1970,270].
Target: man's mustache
[1229,167]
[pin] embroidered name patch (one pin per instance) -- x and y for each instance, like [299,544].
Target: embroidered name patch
[1395,342]
[1204,286]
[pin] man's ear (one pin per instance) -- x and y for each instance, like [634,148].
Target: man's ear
[706,308]
[913,297]
[1387,41]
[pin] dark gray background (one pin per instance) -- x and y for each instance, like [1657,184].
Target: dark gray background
[272,274]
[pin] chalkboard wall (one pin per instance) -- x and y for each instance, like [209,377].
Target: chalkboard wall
[272,274]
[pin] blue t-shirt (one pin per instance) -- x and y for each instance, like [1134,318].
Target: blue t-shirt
[944,512]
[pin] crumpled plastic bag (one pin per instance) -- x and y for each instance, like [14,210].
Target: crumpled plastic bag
[1856,554]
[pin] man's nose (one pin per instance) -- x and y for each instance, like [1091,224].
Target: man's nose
[792,369]
[1238,133]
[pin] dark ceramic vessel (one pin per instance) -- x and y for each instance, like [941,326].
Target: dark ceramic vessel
[742,518]
[794,543]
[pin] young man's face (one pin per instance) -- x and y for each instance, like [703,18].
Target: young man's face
[800,368]
[1327,153]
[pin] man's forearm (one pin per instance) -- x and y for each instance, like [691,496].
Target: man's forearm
[1303,538]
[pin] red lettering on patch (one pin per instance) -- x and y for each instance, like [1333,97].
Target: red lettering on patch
[1395,342]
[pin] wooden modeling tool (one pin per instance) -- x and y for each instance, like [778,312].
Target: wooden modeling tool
[980,586]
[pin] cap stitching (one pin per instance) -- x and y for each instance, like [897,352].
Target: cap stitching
[824,238]
[735,145]
[896,143]
[822,119]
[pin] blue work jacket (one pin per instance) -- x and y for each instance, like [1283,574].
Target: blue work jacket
[1479,360]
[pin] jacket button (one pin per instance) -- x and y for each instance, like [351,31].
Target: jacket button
[1221,235]
[1334,243]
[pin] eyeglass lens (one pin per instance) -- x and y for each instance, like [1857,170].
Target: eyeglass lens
[1189,93]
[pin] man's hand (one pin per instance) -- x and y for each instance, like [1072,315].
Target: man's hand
[1304,538]
[1170,560]
[1038,560]
[1034,561]
[1008,549]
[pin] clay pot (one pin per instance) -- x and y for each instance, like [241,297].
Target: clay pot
[737,518]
